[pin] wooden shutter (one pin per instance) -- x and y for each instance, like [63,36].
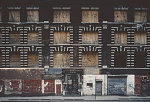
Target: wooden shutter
[140,16]
[90,37]
[140,38]
[14,38]
[61,60]
[89,16]
[32,38]
[32,16]
[120,16]
[140,59]
[14,59]
[120,59]
[61,37]
[120,38]
[89,59]
[61,16]
[14,16]
[33,59]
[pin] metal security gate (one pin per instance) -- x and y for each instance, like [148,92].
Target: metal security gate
[99,88]
[117,85]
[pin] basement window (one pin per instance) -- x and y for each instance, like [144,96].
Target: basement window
[90,85]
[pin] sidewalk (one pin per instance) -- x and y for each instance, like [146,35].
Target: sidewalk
[78,98]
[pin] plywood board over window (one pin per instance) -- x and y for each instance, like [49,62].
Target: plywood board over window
[14,16]
[33,59]
[90,16]
[140,38]
[61,37]
[32,38]
[120,38]
[61,60]
[61,16]
[90,37]
[89,59]
[14,59]
[120,16]
[14,38]
[140,16]
[140,59]
[32,16]
[120,59]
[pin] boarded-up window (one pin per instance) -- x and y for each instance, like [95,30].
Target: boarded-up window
[140,59]
[89,59]
[32,16]
[140,16]
[120,59]
[140,38]
[14,38]
[61,60]
[33,59]
[61,16]
[90,37]
[120,16]
[120,38]
[61,37]
[89,16]
[14,59]
[0,59]
[32,38]
[14,16]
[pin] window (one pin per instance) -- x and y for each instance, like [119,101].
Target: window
[120,38]
[33,59]
[32,38]
[120,16]
[120,59]
[140,59]
[14,38]
[0,37]
[89,59]
[32,16]
[0,59]
[140,16]
[61,37]
[0,16]
[14,59]
[140,38]
[14,16]
[61,60]
[90,37]
[90,16]
[61,16]
[90,85]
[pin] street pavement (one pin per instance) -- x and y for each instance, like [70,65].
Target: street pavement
[75,99]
